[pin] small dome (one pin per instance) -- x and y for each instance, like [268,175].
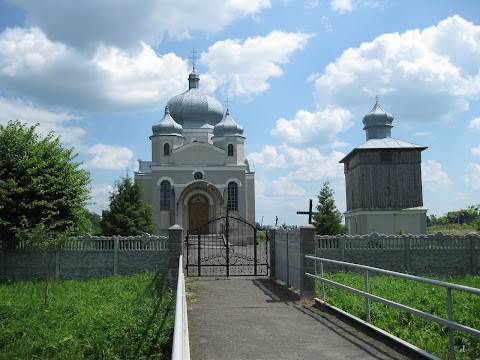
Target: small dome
[378,123]
[167,126]
[227,127]
[194,109]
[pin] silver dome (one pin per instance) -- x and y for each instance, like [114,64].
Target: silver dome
[194,109]
[167,126]
[227,127]
[378,123]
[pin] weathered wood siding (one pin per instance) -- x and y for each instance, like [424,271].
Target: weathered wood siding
[384,179]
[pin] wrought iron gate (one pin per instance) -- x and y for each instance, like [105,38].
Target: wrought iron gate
[227,245]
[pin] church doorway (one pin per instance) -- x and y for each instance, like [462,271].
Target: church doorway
[198,213]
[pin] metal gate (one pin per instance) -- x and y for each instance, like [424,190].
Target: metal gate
[227,245]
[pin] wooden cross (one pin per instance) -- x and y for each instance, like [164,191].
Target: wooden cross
[309,212]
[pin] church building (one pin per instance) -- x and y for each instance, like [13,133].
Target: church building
[198,167]
[383,181]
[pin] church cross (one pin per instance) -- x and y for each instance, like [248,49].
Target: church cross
[309,212]
[376,98]
[228,102]
[193,58]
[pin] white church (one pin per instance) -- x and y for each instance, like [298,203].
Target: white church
[198,167]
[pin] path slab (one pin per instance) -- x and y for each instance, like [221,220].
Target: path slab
[247,318]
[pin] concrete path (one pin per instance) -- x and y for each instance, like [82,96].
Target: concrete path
[245,318]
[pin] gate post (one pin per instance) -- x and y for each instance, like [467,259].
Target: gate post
[271,239]
[307,247]
[175,241]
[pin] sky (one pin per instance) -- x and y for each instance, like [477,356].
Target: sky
[299,76]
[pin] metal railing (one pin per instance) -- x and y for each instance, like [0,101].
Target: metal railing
[181,343]
[449,323]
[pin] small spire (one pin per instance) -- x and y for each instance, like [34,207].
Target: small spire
[376,99]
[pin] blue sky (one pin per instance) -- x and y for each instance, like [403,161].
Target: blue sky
[299,75]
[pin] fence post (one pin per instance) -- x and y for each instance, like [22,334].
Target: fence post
[408,260]
[175,241]
[3,248]
[473,254]
[271,239]
[115,255]
[57,264]
[307,247]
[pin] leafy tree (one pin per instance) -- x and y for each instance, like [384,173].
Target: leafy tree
[328,220]
[42,189]
[95,220]
[127,215]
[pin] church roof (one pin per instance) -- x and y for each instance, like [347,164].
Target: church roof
[227,127]
[193,108]
[167,125]
[385,143]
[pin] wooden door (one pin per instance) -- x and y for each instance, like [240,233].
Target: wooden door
[198,213]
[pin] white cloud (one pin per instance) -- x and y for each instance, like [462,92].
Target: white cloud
[107,157]
[284,188]
[267,158]
[321,127]
[141,79]
[471,176]
[309,164]
[341,6]
[244,67]
[58,122]
[475,150]
[474,124]
[433,176]
[51,74]
[88,23]
[427,75]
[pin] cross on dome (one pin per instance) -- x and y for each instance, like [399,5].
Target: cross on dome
[193,58]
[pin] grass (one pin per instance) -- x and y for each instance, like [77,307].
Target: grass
[121,317]
[452,229]
[426,335]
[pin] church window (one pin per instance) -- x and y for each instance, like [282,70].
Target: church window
[166,149]
[230,150]
[198,175]
[232,203]
[165,193]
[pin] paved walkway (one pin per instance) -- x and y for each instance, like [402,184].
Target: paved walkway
[245,318]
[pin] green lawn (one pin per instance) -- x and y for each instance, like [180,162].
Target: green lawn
[121,317]
[426,335]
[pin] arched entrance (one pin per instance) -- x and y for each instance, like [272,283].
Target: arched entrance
[198,212]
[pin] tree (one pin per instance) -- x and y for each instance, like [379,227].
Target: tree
[42,189]
[94,219]
[328,220]
[127,215]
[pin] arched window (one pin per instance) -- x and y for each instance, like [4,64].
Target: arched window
[232,194]
[165,190]
[166,149]
[230,150]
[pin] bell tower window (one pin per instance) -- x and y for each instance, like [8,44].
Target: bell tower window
[166,149]
[230,150]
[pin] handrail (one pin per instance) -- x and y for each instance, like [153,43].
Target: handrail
[181,342]
[450,324]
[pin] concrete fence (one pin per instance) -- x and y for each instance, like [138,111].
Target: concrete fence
[434,254]
[437,254]
[87,257]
